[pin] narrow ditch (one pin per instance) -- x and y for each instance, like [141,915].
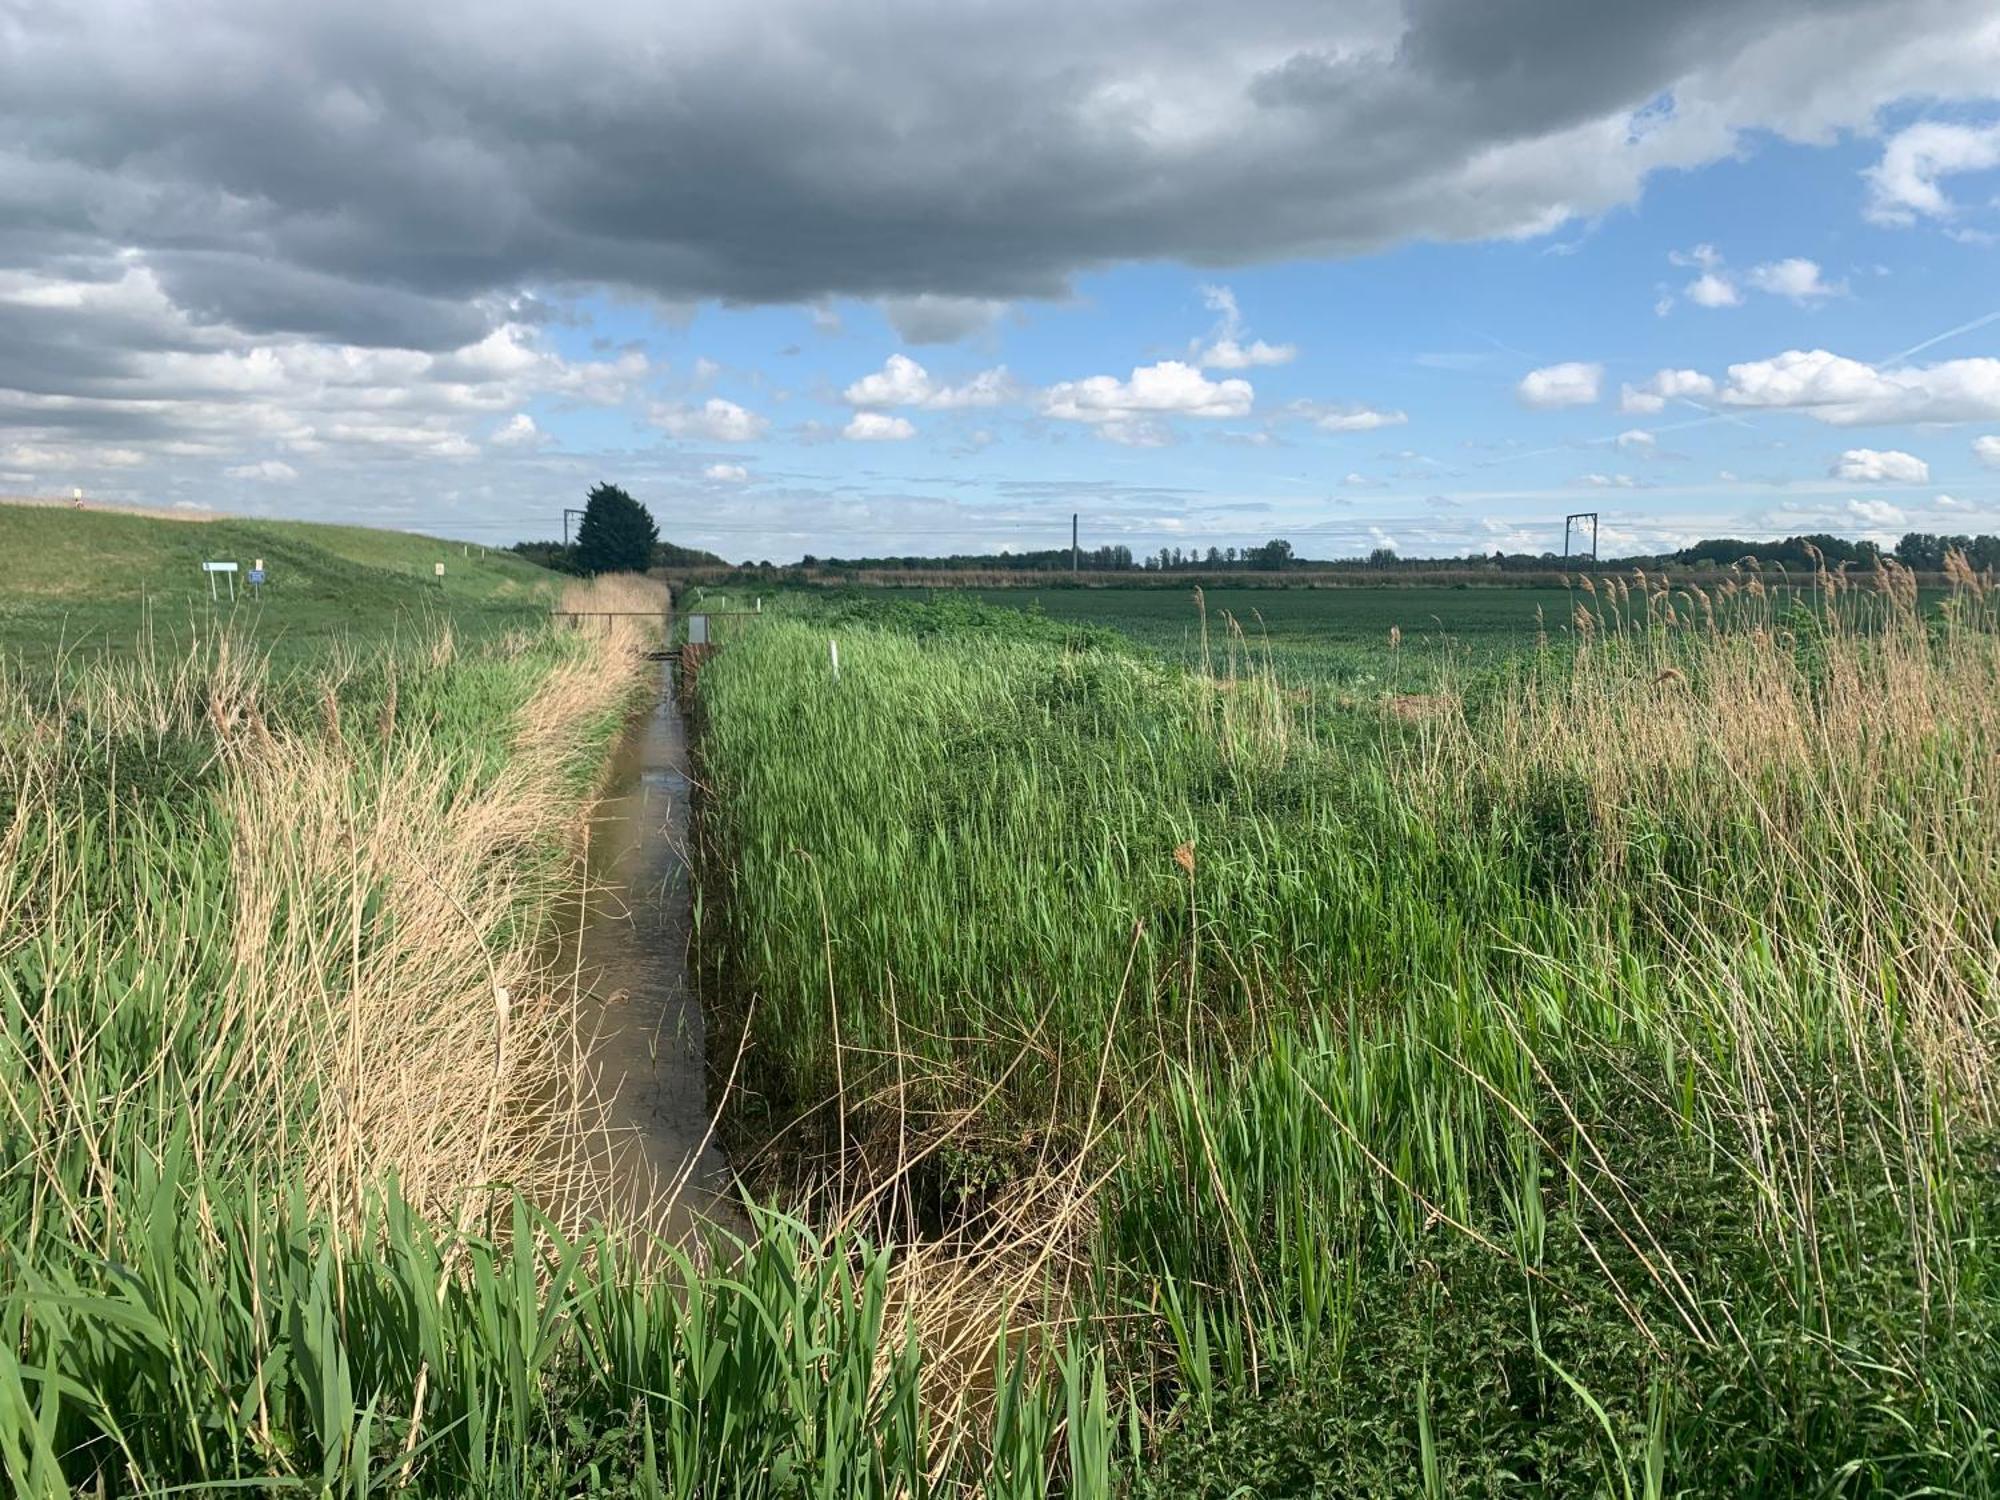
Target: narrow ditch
[638,1017]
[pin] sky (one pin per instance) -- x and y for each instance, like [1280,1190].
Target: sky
[899,277]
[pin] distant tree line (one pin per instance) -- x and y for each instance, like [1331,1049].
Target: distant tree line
[1925,551]
[1920,550]
[1278,556]
[617,533]
[1053,560]
[1273,556]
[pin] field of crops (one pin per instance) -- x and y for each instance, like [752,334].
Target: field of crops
[1577,1085]
[1334,633]
[1164,1066]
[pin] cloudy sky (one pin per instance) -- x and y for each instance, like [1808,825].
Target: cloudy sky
[901,276]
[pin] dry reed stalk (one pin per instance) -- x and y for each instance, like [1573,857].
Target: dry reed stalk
[1816,745]
[401,1035]
[381,901]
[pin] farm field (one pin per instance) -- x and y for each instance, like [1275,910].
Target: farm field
[1309,621]
[1335,633]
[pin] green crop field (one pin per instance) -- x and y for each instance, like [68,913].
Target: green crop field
[1305,1069]
[1305,619]
[1401,635]
[1330,632]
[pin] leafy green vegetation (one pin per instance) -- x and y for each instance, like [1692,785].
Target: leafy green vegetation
[1572,1087]
[286,1172]
[1175,1059]
[616,533]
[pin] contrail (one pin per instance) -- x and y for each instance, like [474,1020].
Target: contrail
[1949,333]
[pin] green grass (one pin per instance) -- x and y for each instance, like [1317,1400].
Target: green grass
[1576,1083]
[258,1230]
[91,580]
[1575,1090]
[1337,633]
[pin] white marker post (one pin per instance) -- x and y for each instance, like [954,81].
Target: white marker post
[833,656]
[227,568]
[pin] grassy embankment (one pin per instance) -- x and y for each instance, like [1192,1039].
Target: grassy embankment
[1580,1086]
[92,581]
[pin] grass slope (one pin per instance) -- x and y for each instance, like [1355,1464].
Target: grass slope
[91,577]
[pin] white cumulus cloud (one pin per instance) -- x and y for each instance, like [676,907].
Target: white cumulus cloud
[900,382]
[1987,451]
[903,382]
[1903,185]
[878,427]
[518,431]
[1228,354]
[1885,466]
[1851,393]
[1713,289]
[1225,349]
[1796,278]
[715,420]
[726,473]
[1667,385]
[1170,388]
[1637,440]
[1574,383]
[1875,512]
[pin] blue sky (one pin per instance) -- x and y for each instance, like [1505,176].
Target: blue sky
[1438,335]
[1389,287]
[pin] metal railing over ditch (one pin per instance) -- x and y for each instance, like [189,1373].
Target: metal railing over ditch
[695,623]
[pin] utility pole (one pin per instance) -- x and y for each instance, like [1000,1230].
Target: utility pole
[568,511]
[1072,544]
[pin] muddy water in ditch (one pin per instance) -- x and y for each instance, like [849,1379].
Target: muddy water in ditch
[638,1017]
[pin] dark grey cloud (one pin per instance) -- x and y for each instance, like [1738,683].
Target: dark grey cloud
[932,319]
[258,295]
[371,170]
[235,232]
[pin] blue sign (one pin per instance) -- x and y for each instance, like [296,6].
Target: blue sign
[257,575]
